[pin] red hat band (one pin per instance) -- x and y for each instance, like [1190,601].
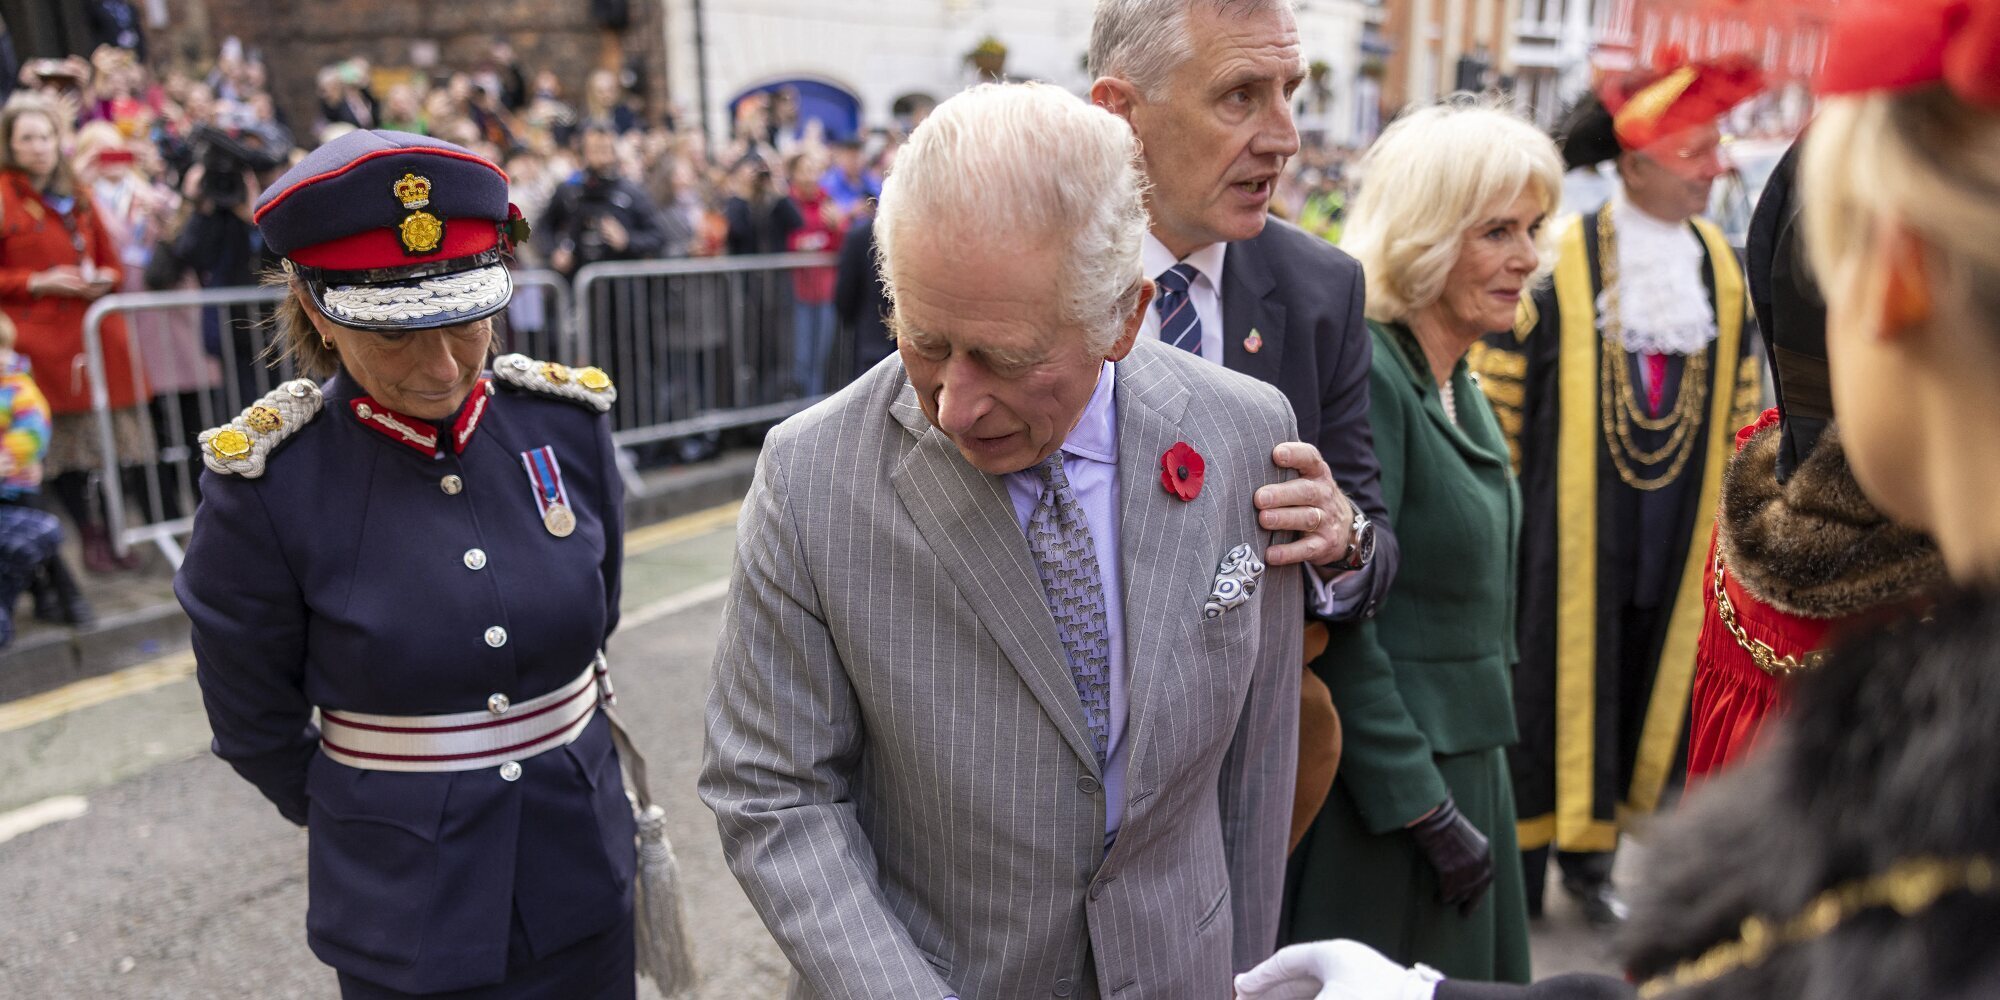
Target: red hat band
[382,248]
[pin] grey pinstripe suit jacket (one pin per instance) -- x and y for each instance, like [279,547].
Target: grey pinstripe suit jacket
[896,755]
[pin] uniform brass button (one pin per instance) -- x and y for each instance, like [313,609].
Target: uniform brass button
[1087,785]
[475,559]
[496,637]
[451,485]
[498,704]
[363,411]
[510,771]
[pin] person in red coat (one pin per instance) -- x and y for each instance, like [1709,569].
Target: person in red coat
[1800,554]
[56,259]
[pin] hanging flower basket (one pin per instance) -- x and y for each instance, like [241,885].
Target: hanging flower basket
[989,57]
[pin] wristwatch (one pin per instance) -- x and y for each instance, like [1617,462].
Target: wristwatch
[1361,546]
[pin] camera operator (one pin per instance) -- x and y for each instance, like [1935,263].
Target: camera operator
[599,215]
[218,242]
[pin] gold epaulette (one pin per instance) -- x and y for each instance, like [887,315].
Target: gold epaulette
[242,446]
[587,386]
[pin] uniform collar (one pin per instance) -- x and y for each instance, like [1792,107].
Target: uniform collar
[421,436]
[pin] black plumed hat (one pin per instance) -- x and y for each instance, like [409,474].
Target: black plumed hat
[1586,134]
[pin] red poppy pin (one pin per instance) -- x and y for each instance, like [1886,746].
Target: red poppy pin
[1181,469]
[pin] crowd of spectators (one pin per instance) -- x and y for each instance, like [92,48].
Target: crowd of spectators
[153,173]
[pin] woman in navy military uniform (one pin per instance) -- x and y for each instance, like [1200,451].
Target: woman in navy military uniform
[429,555]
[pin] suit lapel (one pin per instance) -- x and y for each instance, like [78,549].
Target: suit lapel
[1249,303]
[1165,543]
[968,521]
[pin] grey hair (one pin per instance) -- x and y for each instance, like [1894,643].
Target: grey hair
[1025,165]
[1143,41]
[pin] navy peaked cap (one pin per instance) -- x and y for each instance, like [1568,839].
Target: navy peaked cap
[349,186]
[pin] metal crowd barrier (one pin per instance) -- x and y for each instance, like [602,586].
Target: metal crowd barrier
[198,357]
[702,345]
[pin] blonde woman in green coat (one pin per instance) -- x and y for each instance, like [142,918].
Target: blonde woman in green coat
[1414,851]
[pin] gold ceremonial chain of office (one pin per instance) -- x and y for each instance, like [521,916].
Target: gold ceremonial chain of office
[1909,887]
[1618,405]
[1767,659]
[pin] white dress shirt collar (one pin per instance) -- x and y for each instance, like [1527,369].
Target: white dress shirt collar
[1205,291]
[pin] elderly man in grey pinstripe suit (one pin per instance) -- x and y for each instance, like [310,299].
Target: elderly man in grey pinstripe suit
[1006,699]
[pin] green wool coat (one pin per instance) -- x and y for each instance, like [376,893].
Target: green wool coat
[1424,691]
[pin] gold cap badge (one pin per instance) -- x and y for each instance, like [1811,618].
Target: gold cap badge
[413,191]
[420,231]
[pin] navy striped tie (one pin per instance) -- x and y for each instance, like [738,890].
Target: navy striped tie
[1180,325]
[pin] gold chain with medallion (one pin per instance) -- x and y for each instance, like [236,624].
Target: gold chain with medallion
[1619,408]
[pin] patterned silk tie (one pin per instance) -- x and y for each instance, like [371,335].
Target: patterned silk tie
[1065,556]
[1180,325]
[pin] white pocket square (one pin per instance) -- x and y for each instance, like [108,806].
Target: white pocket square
[1235,580]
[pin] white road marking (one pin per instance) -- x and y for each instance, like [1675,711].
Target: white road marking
[673,604]
[41,814]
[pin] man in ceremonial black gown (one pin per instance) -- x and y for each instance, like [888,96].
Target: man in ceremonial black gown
[1619,389]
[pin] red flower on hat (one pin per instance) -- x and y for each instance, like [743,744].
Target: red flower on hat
[1181,470]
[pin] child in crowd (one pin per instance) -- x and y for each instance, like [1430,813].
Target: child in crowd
[29,535]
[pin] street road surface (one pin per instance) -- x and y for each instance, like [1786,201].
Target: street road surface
[135,865]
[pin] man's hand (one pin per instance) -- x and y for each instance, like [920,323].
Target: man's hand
[1311,505]
[564,259]
[615,235]
[1334,970]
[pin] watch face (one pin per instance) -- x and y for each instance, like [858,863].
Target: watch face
[1364,541]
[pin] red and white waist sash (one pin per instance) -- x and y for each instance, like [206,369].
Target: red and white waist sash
[466,741]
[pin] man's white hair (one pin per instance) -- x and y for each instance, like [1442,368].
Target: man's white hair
[1143,41]
[1026,166]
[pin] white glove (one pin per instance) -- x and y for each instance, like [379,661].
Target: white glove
[1335,970]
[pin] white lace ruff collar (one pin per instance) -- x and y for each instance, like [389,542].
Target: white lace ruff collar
[1663,305]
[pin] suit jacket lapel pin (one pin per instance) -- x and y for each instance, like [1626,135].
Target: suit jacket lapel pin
[1181,469]
[1235,580]
[545,475]
[1254,342]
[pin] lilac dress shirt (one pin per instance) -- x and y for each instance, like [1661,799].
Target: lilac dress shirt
[1090,461]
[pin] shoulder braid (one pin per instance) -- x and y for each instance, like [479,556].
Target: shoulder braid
[242,446]
[589,387]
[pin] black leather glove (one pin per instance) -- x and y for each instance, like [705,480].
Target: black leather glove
[1460,853]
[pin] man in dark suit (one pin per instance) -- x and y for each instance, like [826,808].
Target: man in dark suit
[1208,92]
[1209,95]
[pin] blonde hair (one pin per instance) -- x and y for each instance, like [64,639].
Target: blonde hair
[294,337]
[95,138]
[1926,159]
[1431,176]
[1026,165]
